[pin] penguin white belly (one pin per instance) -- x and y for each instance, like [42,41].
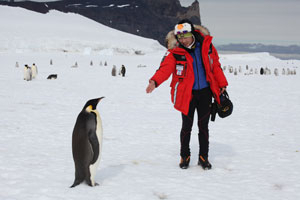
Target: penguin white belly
[28,74]
[99,133]
[34,71]
[25,72]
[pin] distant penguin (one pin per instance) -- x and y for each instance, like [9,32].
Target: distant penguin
[240,69]
[52,76]
[27,73]
[261,71]
[87,143]
[123,70]
[251,71]
[114,71]
[75,65]
[235,71]
[276,72]
[34,70]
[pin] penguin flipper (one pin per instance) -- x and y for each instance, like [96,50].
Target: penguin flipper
[95,145]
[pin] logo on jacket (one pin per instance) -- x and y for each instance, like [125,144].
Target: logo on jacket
[179,70]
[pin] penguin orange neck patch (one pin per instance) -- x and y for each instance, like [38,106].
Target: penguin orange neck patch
[89,108]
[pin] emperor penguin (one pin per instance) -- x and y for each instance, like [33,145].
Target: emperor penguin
[27,73]
[87,143]
[123,70]
[34,70]
[114,71]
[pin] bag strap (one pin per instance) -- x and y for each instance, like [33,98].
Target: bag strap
[226,94]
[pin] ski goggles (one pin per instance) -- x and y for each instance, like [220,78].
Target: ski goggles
[182,29]
[181,32]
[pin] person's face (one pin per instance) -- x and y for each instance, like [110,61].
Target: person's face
[186,41]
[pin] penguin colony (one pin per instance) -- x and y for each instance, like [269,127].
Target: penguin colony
[262,71]
[30,73]
[87,143]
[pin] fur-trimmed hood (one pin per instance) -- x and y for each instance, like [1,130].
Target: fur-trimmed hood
[171,41]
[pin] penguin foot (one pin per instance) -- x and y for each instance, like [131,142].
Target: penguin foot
[93,185]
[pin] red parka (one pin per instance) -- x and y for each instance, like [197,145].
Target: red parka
[182,82]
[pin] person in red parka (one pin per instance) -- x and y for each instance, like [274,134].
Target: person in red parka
[197,77]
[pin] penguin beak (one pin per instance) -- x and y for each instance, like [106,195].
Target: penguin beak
[100,99]
[92,104]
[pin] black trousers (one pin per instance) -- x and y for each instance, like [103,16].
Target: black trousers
[201,101]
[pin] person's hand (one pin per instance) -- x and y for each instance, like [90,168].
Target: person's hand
[150,87]
[223,89]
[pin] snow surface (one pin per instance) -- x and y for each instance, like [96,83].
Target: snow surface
[57,31]
[254,152]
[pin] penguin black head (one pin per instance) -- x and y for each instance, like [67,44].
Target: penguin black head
[92,104]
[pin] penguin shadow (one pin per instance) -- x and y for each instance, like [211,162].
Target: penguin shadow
[109,172]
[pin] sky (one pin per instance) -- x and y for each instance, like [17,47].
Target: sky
[250,21]
[265,21]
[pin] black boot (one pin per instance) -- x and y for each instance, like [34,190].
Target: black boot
[204,163]
[184,162]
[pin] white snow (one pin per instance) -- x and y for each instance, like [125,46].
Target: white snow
[122,6]
[58,31]
[111,5]
[74,5]
[91,6]
[254,152]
